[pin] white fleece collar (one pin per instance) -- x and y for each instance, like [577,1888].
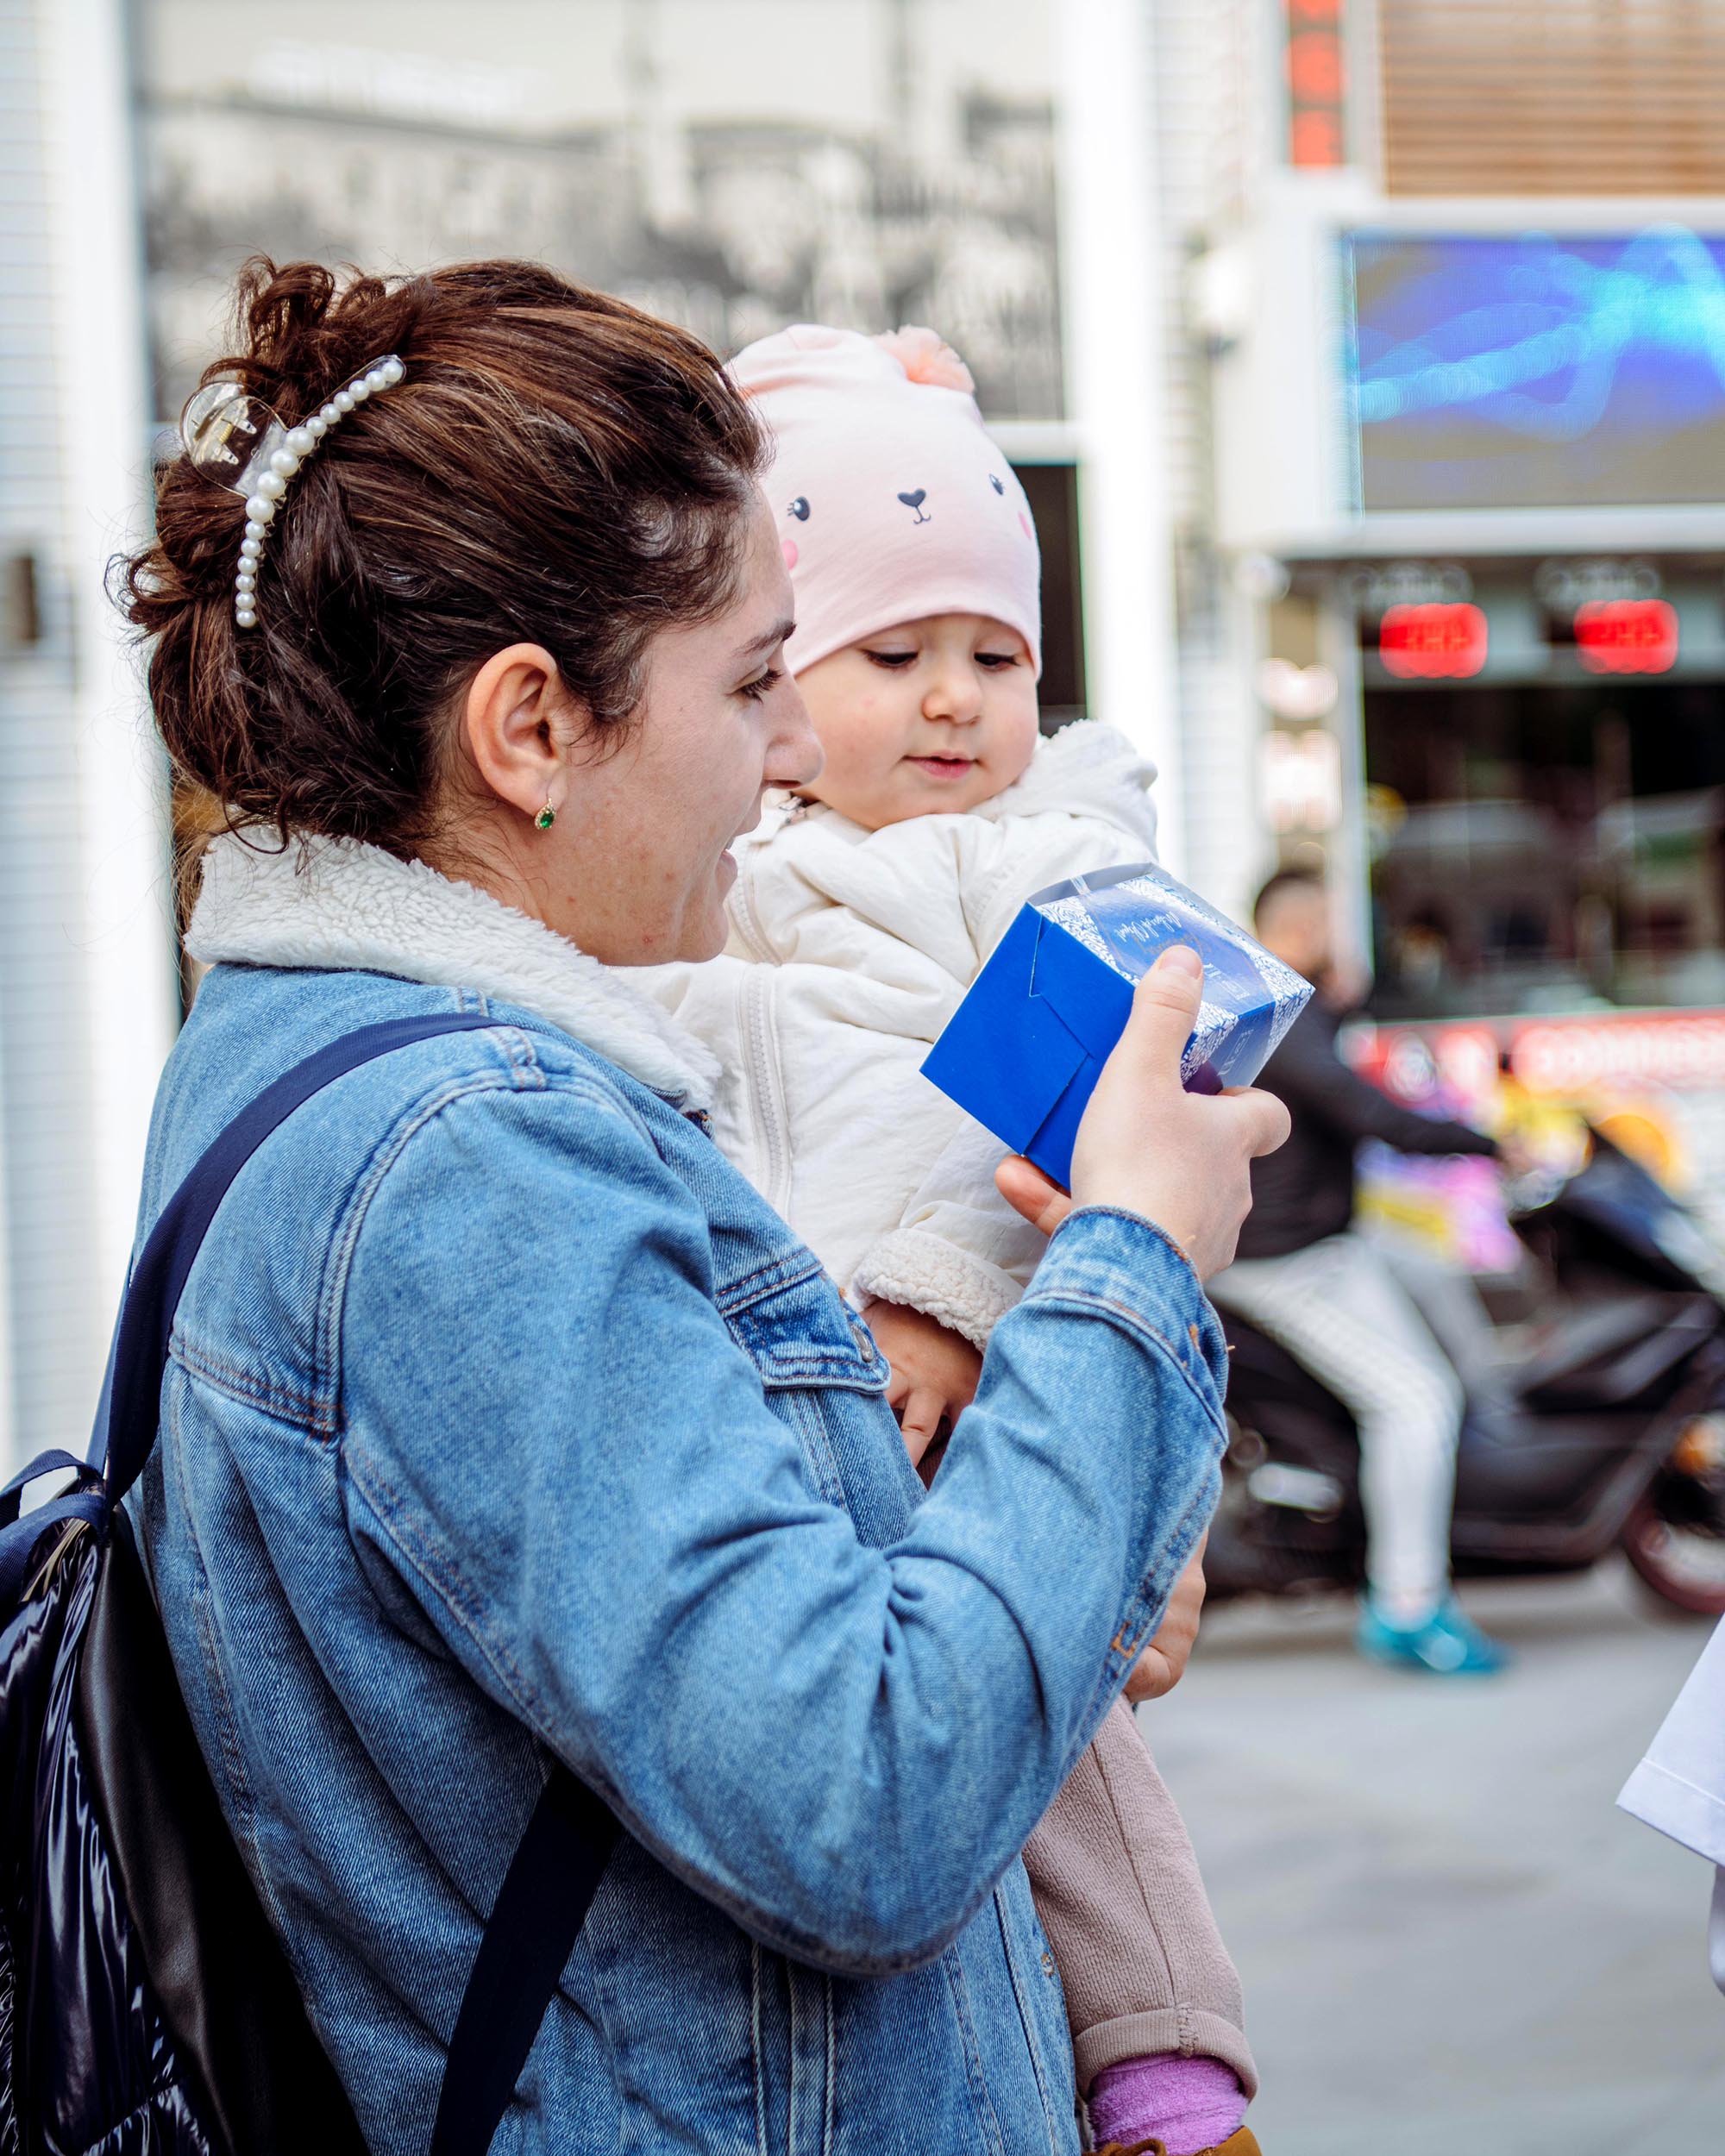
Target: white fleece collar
[1086,767]
[336,904]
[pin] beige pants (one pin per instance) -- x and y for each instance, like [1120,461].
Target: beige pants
[1118,1891]
[1366,1319]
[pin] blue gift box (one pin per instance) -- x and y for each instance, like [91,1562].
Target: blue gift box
[1023,1052]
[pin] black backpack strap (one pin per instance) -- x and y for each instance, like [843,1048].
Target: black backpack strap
[131,1394]
[537,1917]
[23,1533]
[556,1869]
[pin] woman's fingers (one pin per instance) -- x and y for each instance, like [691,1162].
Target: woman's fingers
[1264,1120]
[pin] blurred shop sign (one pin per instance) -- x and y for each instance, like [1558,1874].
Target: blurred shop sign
[1652,1081]
[1317,85]
[1568,1055]
[1626,636]
[1437,641]
[1563,586]
[1371,588]
[1611,612]
[1302,781]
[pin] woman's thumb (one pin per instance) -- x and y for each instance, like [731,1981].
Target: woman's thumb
[1028,1191]
[1179,958]
[1164,1008]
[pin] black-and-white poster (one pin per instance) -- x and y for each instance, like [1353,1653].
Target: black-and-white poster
[736,165]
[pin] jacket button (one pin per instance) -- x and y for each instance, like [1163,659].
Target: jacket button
[1047,1963]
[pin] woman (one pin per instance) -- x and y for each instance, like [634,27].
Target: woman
[504,1421]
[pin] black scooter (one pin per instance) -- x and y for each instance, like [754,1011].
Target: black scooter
[1608,1433]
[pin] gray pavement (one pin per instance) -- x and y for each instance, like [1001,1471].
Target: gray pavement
[1452,1943]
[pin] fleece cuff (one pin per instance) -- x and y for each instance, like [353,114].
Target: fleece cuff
[923,1272]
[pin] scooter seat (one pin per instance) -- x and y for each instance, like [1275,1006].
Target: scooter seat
[1608,1356]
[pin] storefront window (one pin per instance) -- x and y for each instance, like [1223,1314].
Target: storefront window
[1052,492]
[1548,847]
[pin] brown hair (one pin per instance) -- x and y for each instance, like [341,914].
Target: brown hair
[558,467]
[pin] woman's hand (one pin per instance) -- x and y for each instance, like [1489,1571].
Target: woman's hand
[1181,1160]
[935,1372]
[1162,1664]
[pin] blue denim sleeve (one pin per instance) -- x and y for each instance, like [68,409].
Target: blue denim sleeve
[551,1436]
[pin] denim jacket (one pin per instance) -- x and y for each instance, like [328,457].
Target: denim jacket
[504,1418]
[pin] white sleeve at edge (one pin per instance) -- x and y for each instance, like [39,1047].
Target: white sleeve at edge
[1680,1786]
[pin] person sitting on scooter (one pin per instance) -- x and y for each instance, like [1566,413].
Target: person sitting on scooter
[1351,1311]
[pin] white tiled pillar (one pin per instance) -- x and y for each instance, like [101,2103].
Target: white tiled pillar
[87,983]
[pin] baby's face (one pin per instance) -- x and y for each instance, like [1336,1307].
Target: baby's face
[930,718]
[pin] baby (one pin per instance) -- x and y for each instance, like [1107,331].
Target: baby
[861,914]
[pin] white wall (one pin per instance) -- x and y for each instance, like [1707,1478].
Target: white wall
[88,998]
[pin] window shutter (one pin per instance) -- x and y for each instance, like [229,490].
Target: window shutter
[1553,97]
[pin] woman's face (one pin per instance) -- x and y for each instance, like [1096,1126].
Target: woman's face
[635,868]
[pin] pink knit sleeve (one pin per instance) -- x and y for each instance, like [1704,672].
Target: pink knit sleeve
[1120,1897]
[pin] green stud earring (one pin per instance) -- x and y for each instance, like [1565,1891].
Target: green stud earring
[545,818]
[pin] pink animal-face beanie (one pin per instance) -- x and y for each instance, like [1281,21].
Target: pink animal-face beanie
[892,499]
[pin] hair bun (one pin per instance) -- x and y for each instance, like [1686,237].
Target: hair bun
[302,335]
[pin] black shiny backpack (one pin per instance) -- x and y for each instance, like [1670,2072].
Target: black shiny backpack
[147,2009]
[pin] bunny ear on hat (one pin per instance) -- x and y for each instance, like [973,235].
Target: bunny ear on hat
[927,358]
[809,355]
[811,352]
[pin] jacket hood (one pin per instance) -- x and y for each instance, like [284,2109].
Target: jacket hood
[339,906]
[1086,769]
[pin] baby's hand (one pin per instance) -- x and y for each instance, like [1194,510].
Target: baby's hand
[1162,1664]
[934,1371]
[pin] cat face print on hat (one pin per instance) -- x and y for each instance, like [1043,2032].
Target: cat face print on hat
[893,501]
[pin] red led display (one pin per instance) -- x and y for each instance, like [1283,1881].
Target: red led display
[1626,636]
[1316,62]
[1433,643]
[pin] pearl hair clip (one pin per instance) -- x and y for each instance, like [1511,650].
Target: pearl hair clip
[237,441]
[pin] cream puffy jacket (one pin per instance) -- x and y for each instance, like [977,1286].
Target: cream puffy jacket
[848,951]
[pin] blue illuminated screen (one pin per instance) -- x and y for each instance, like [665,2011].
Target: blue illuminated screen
[1540,371]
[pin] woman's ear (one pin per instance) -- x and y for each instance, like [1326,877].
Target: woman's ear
[511,727]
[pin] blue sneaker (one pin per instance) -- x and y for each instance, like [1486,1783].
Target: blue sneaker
[1447,1643]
